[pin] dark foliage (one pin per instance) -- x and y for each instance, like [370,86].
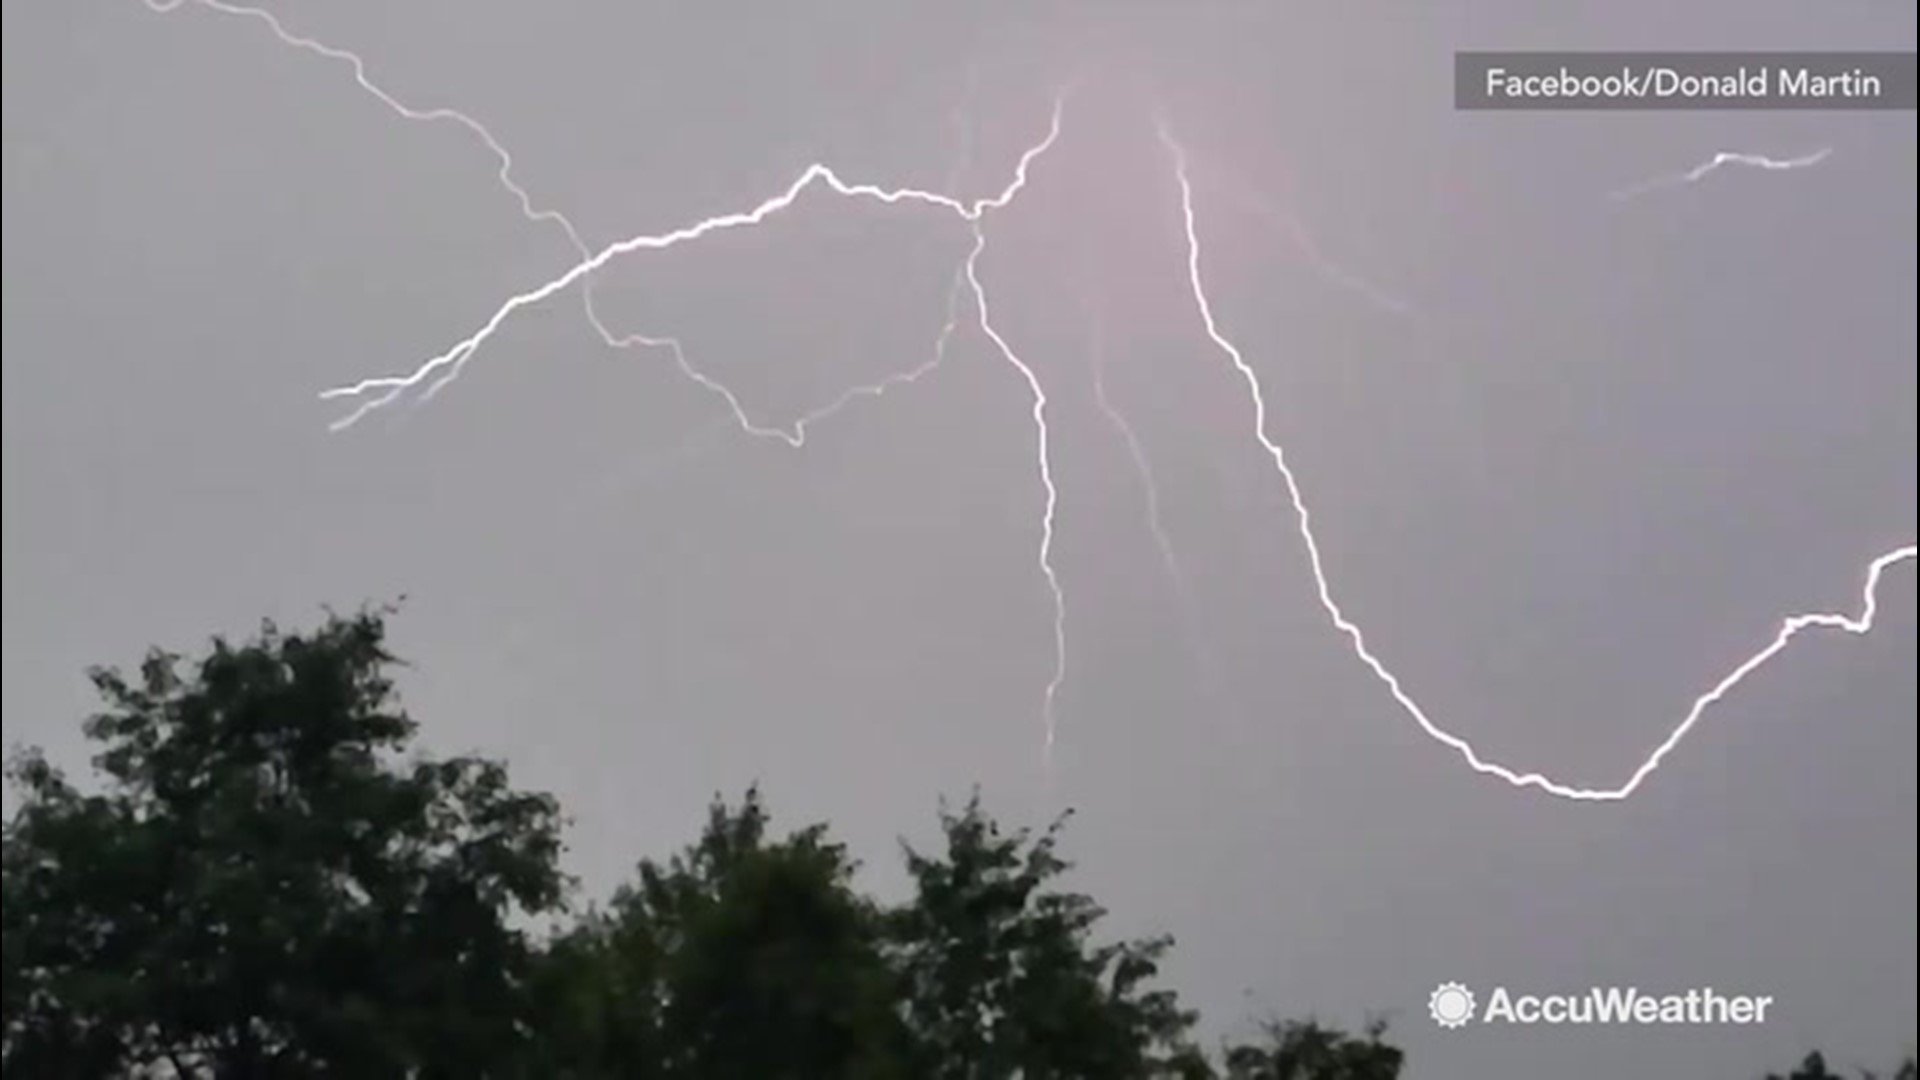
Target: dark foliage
[269,882]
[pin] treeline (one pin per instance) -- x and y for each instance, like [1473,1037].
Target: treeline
[269,883]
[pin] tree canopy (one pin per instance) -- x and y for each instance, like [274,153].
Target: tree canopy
[264,887]
[267,879]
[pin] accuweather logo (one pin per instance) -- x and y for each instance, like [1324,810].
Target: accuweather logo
[1453,1006]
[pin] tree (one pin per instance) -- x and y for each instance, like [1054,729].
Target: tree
[743,957]
[265,888]
[1308,1050]
[598,996]
[1001,977]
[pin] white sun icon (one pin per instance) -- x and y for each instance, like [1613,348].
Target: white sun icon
[1451,1005]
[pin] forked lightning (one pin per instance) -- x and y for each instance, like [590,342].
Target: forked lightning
[430,376]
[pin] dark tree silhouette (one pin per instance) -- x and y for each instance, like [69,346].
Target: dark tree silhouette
[742,957]
[268,883]
[1003,979]
[1309,1050]
[263,888]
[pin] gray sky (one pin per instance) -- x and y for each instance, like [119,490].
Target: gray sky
[1570,460]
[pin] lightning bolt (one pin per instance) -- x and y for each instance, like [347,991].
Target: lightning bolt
[1059,676]
[449,364]
[1717,162]
[956,287]
[359,67]
[793,435]
[1789,629]
[433,375]
[380,391]
[377,392]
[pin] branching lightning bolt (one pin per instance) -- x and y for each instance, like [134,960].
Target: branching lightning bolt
[448,365]
[439,371]
[1789,629]
[955,288]
[1719,161]
[793,435]
[377,392]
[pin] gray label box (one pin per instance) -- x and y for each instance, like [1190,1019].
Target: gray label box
[1590,81]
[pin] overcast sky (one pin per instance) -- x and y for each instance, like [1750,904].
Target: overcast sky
[1570,460]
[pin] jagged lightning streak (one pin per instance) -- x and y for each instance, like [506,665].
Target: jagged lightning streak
[359,67]
[1049,713]
[1789,629]
[445,368]
[793,435]
[1717,162]
[479,131]
[955,288]
[447,365]
[454,360]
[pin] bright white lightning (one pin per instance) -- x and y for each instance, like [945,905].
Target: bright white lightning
[1045,456]
[444,368]
[449,364]
[479,130]
[955,288]
[793,435]
[455,359]
[947,329]
[1789,629]
[1719,161]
